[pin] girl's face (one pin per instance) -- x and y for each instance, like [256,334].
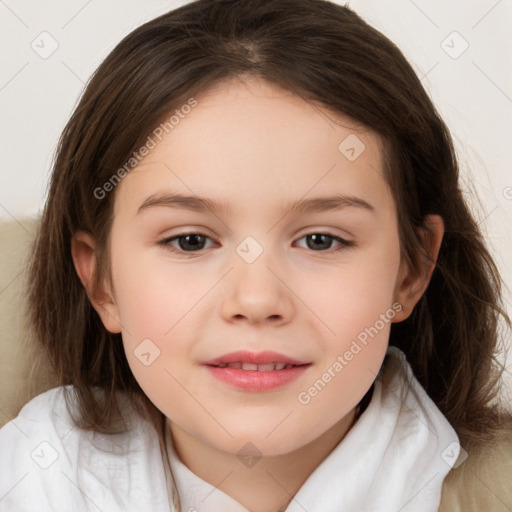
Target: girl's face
[287,241]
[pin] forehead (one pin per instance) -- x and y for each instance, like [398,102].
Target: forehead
[253,141]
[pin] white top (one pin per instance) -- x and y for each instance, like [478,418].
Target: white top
[399,452]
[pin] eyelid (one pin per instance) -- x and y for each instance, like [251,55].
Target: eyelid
[166,241]
[343,242]
[331,231]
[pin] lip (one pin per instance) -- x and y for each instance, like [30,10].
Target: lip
[244,356]
[255,380]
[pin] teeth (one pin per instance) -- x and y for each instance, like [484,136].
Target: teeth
[267,367]
[249,366]
[256,367]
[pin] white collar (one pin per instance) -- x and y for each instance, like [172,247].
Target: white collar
[395,457]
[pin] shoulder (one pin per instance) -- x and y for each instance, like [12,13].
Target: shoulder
[48,463]
[482,480]
[30,445]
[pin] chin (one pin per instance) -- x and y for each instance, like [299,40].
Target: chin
[267,442]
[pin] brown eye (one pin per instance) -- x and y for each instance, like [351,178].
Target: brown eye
[186,242]
[323,241]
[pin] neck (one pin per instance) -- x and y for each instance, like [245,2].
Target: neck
[271,483]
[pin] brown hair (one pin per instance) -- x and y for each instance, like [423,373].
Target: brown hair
[327,54]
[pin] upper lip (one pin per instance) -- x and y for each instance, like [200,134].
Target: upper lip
[244,356]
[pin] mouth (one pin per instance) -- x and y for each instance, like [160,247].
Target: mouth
[257,367]
[256,372]
[255,361]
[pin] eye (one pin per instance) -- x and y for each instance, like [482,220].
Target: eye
[186,242]
[322,241]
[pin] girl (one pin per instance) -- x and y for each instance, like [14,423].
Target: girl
[258,281]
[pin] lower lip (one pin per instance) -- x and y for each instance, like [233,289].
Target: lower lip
[256,381]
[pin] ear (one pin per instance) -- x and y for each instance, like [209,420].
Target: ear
[83,251]
[412,283]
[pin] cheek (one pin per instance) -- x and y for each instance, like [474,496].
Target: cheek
[152,313]
[360,314]
[353,295]
[155,305]
[355,303]
[151,298]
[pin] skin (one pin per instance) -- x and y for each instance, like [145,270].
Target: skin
[255,147]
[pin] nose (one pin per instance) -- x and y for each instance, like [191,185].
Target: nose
[256,293]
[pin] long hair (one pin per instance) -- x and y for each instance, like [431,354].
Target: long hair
[330,56]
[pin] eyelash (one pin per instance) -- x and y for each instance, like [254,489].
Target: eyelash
[166,242]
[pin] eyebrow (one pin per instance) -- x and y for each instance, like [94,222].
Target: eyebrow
[303,206]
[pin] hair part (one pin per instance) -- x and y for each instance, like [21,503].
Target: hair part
[329,56]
